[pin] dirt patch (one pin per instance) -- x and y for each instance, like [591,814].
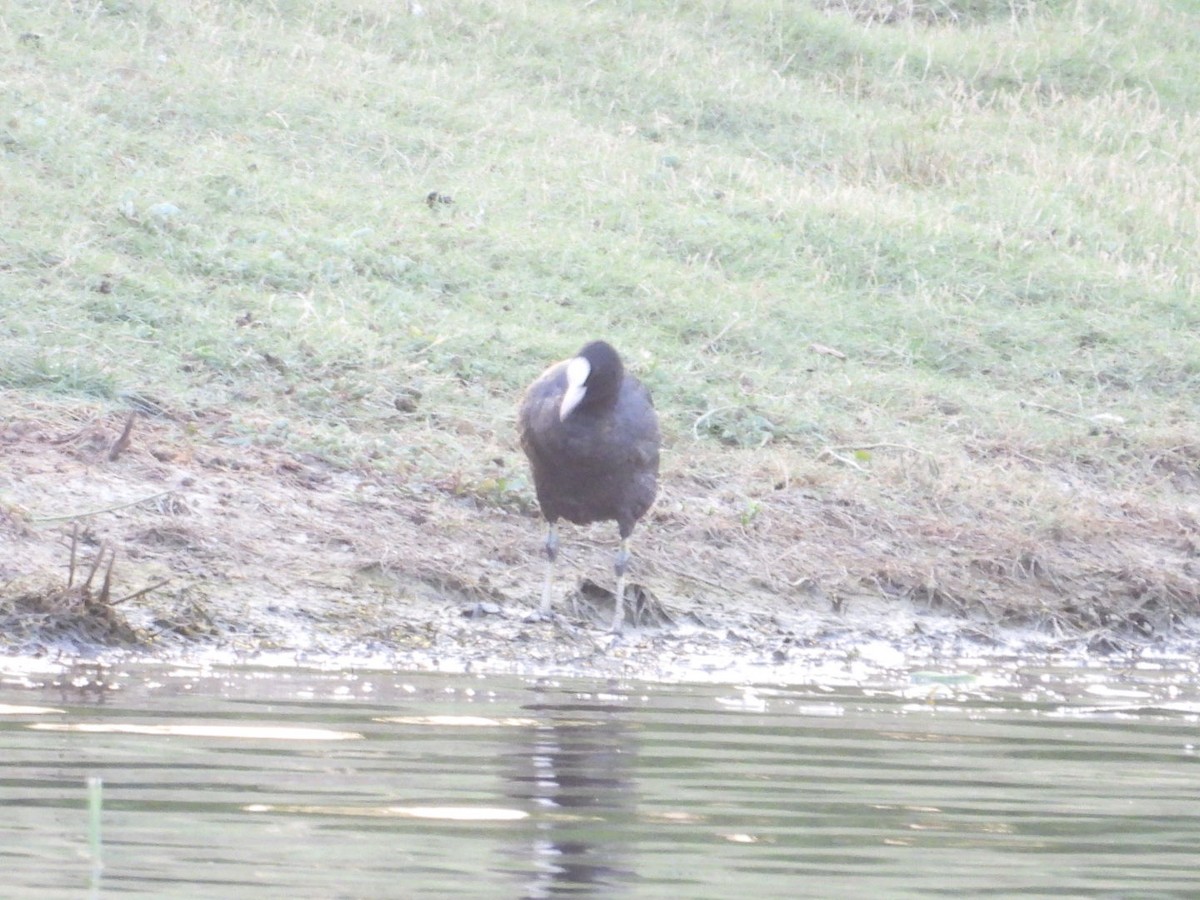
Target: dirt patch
[213,541]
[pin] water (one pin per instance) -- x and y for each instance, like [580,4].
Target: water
[1077,782]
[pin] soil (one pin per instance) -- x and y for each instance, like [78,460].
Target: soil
[184,538]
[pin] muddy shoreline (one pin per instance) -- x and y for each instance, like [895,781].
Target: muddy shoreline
[251,553]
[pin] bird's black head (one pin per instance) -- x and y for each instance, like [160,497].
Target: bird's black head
[594,378]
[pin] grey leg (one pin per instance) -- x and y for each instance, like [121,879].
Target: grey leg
[551,556]
[621,565]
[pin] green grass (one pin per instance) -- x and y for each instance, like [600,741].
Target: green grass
[223,205]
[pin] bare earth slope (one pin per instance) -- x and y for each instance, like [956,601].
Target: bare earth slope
[252,550]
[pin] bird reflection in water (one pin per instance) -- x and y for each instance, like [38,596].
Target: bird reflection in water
[574,772]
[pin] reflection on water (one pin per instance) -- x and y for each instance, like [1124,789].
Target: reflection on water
[297,784]
[576,766]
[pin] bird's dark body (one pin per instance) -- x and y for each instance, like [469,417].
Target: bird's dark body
[600,463]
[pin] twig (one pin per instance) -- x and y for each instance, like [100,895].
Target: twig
[847,448]
[1029,404]
[74,545]
[106,588]
[826,351]
[95,567]
[121,444]
[1093,419]
[842,459]
[40,520]
[142,592]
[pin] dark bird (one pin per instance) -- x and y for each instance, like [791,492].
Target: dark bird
[591,435]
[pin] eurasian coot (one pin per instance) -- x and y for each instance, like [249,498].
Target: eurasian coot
[591,435]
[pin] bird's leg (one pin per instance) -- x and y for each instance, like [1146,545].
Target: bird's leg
[551,556]
[621,565]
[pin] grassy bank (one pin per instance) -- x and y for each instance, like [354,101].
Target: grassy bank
[913,283]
